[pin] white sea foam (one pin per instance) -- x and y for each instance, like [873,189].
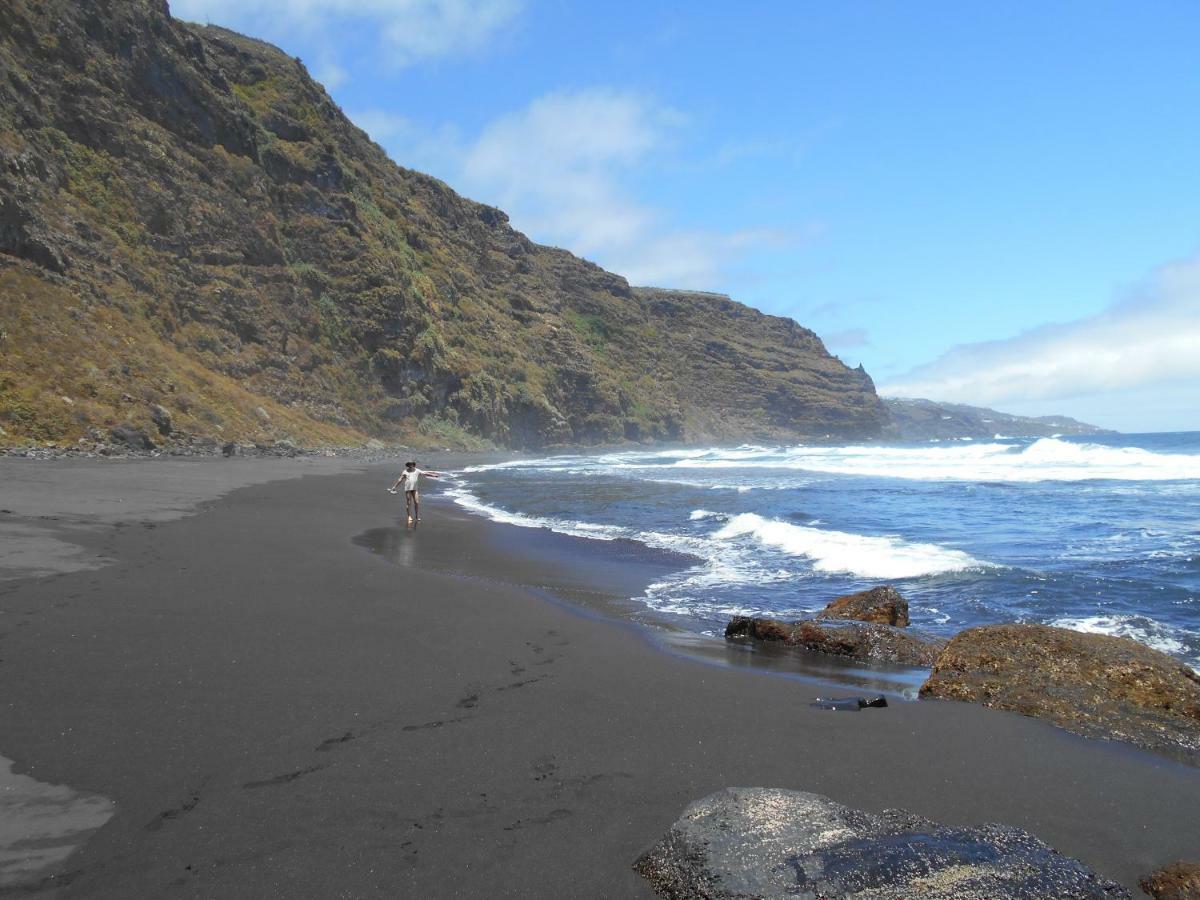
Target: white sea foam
[866,556]
[838,551]
[464,498]
[1047,459]
[1140,628]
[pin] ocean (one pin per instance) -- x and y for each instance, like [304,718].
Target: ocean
[1099,534]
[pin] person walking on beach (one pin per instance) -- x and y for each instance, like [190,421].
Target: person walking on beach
[412,499]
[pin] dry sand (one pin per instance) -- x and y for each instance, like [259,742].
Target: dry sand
[278,712]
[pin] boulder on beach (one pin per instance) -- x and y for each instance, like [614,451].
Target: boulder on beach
[880,604]
[1092,684]
[773,843]
[863,641]
[1178,881]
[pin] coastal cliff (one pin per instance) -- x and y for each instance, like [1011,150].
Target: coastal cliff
[924,420]
[195,241]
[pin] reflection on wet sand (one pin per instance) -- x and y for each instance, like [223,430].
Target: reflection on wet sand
[394,544]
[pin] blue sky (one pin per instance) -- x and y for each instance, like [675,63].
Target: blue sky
[988,203]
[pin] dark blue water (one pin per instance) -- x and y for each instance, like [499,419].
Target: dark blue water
[1099,534]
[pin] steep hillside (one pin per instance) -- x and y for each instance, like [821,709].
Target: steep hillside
[922,420]
[188,221]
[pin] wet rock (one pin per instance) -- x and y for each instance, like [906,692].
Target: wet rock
[881,604]
[1092,684]
[864,641]
[231,448]
[770,843]
[1178,881]
[161,417]
[133,438]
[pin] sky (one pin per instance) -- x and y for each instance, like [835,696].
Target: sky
[985,203]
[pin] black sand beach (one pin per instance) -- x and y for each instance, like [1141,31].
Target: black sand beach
[278,711]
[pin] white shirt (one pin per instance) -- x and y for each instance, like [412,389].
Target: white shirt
[409,479]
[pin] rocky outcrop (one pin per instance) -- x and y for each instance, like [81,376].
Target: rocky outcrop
[1092,684]
[133,438]
[190,217]
[161,417]
[863,641]
[769,843]
[1178,881]
[883,605]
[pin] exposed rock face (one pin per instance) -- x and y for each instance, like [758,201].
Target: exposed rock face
[1092,684]
[161,417]
[1178,881]
[768,843]
[133,438]
[864,641]
[881,604]
[923,420]
[181,205]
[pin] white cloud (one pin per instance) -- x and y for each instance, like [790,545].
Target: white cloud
[1150,338]
[848,338]
[410,31]
[555,165]
[329,73]
[438,152]
[561,166]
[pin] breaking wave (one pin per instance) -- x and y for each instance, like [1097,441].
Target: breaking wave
[865,556]
[1048,459]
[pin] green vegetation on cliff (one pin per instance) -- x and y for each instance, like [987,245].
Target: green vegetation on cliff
[187,220]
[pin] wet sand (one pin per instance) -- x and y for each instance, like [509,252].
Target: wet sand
[288,694]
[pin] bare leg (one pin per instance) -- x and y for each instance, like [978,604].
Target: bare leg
[409,502]
[416,506]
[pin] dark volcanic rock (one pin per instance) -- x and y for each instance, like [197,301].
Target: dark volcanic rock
[864,641]
[161,417]
[1178,881]
[1091,684]
[769,843]
[881,604]
[133,438]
